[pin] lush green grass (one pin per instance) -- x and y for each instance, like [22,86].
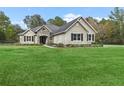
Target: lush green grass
[36,65]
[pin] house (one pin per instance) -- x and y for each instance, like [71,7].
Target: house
[78,31]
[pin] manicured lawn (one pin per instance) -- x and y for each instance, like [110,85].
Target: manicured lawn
[36,65]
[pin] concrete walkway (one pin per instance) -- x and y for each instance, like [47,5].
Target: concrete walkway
[113,46]
[49,46]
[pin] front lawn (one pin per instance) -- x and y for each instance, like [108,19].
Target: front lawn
[36,65]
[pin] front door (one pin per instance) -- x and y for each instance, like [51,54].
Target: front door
[43,39]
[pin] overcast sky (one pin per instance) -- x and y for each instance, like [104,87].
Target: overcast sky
[17,15]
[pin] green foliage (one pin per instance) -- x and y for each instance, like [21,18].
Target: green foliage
[10,33]
[4,22]
[34,21]
[110,30]
[17,28]
[2,36]
[58,21]
[118,16]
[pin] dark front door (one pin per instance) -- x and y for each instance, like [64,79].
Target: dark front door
[43,39]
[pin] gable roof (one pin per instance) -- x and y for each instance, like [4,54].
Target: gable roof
[36,28]
[54,28]
[59,30]
[48,25]
[65,27]
[23,32]
[90,25]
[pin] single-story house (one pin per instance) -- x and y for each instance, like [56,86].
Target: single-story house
[78,31]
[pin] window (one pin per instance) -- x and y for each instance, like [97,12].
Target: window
[29,38]
[74,36]
[78,37]
[89,37]
[93,37]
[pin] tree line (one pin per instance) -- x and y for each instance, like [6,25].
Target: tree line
[110,31]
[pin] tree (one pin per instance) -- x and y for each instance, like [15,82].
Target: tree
[10,33]
[93,22]
[58,21]
[101,34]
[2,36]
[118,16]
[17,30]
[4,22]
[34,21]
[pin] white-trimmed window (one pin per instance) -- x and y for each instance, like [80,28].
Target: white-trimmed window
[76,37]
[28,38]
[90,37]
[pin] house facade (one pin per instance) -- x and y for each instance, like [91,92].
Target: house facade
[78,31]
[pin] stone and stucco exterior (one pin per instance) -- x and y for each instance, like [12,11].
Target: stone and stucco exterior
[78,31]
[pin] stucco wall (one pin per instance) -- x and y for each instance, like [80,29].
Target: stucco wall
[59,39]
[44,32]
[77,28]
[29,33]
[90,31]
[62,38]
[41,32]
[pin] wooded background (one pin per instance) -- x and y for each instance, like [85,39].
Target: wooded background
[110,31]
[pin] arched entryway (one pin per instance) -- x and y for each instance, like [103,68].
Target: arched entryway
[43,39]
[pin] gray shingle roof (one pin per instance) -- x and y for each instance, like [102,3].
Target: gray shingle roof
[64,27]
[36,28]
[52,27]
[56,29]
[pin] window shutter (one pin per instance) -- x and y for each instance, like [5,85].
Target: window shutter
[71,37]
[81,37]
[24,38]
[87,37]
[92,37]
[32,38]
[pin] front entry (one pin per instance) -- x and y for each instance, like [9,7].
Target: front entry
[43,39]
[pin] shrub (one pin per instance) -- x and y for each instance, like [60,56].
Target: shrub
[60,45]
[97,45]
[75,45]
[69,45]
